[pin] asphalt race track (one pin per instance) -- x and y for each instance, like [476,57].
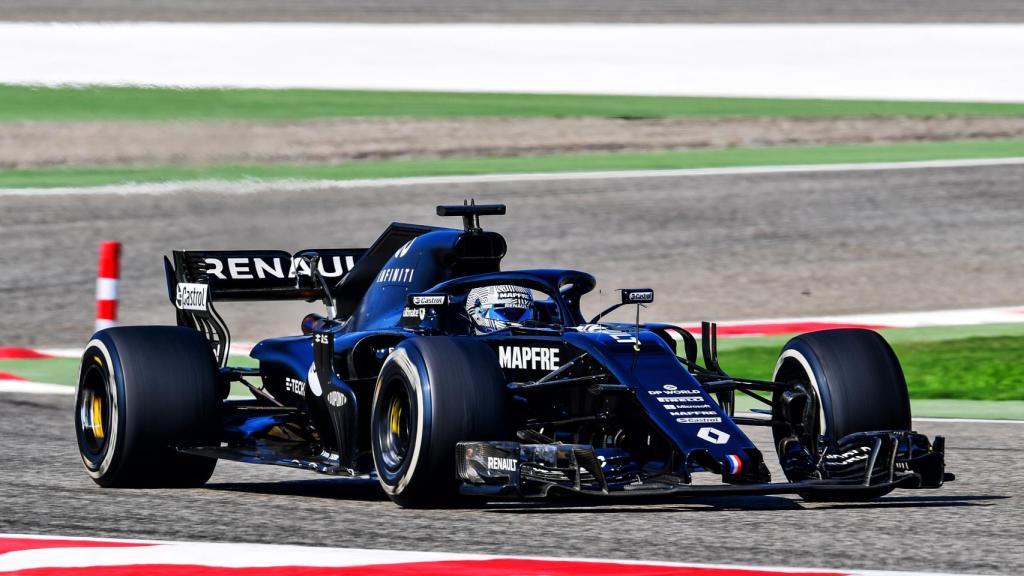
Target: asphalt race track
[999,11]
[727,246]
[972,525]
[713,247]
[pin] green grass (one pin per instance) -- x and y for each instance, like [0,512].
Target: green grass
[892,335]
[931,408]
[775,156]
[1006,409]
[976,363]
[976,368]
[52,370]
[127,103]
[65,370]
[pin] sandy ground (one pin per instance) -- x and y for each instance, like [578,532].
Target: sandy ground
[43,144]
[713,247]
[519,11]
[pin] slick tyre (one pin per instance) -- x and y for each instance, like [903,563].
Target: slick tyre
[433,392]
[856,383]
[143,391]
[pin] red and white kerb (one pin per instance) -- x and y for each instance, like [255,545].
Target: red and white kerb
[106,284]
[25,555]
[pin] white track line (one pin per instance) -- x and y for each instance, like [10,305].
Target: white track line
[25,387]
[966,420]
[924,419]
[61,352]
[213,554]
[965,317]
[266,555]
[256,186]
[921,319]
[261,187]
[237,349]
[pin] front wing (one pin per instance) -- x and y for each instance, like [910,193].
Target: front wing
[511,470]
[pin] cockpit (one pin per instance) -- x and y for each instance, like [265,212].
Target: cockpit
[487,303]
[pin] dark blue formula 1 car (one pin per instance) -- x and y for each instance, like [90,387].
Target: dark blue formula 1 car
[442,375]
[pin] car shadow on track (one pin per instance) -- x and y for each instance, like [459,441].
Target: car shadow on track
[645,505]
[368,490]
[913,502]
[335,489]
[724,504]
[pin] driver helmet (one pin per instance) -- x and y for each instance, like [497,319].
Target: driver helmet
[497,307]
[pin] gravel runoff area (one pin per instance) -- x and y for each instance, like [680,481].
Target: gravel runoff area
[1000,11]
[715,247]
[139,143]
[972,525]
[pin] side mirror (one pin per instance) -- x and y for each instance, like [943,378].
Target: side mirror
[637,295]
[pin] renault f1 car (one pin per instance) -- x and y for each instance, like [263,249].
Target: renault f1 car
[441,375]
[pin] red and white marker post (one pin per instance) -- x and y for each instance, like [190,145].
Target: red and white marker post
[106,284]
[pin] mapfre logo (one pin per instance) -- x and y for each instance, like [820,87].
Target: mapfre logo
[528,357]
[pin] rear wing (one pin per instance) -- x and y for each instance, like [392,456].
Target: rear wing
[198,277]
[254,275]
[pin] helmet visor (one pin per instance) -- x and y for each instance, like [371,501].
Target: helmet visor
[508,313]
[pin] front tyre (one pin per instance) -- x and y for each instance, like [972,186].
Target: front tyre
[433,392]
[853,383]
[143,391]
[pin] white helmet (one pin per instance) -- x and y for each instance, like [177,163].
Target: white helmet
[498,307]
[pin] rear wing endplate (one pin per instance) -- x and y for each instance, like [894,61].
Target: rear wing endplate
[198,277]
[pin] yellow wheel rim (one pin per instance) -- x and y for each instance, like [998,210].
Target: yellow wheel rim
[97,417]
[395,416]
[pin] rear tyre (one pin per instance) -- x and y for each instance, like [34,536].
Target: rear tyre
[142,392]
[433,392]
[855,384]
